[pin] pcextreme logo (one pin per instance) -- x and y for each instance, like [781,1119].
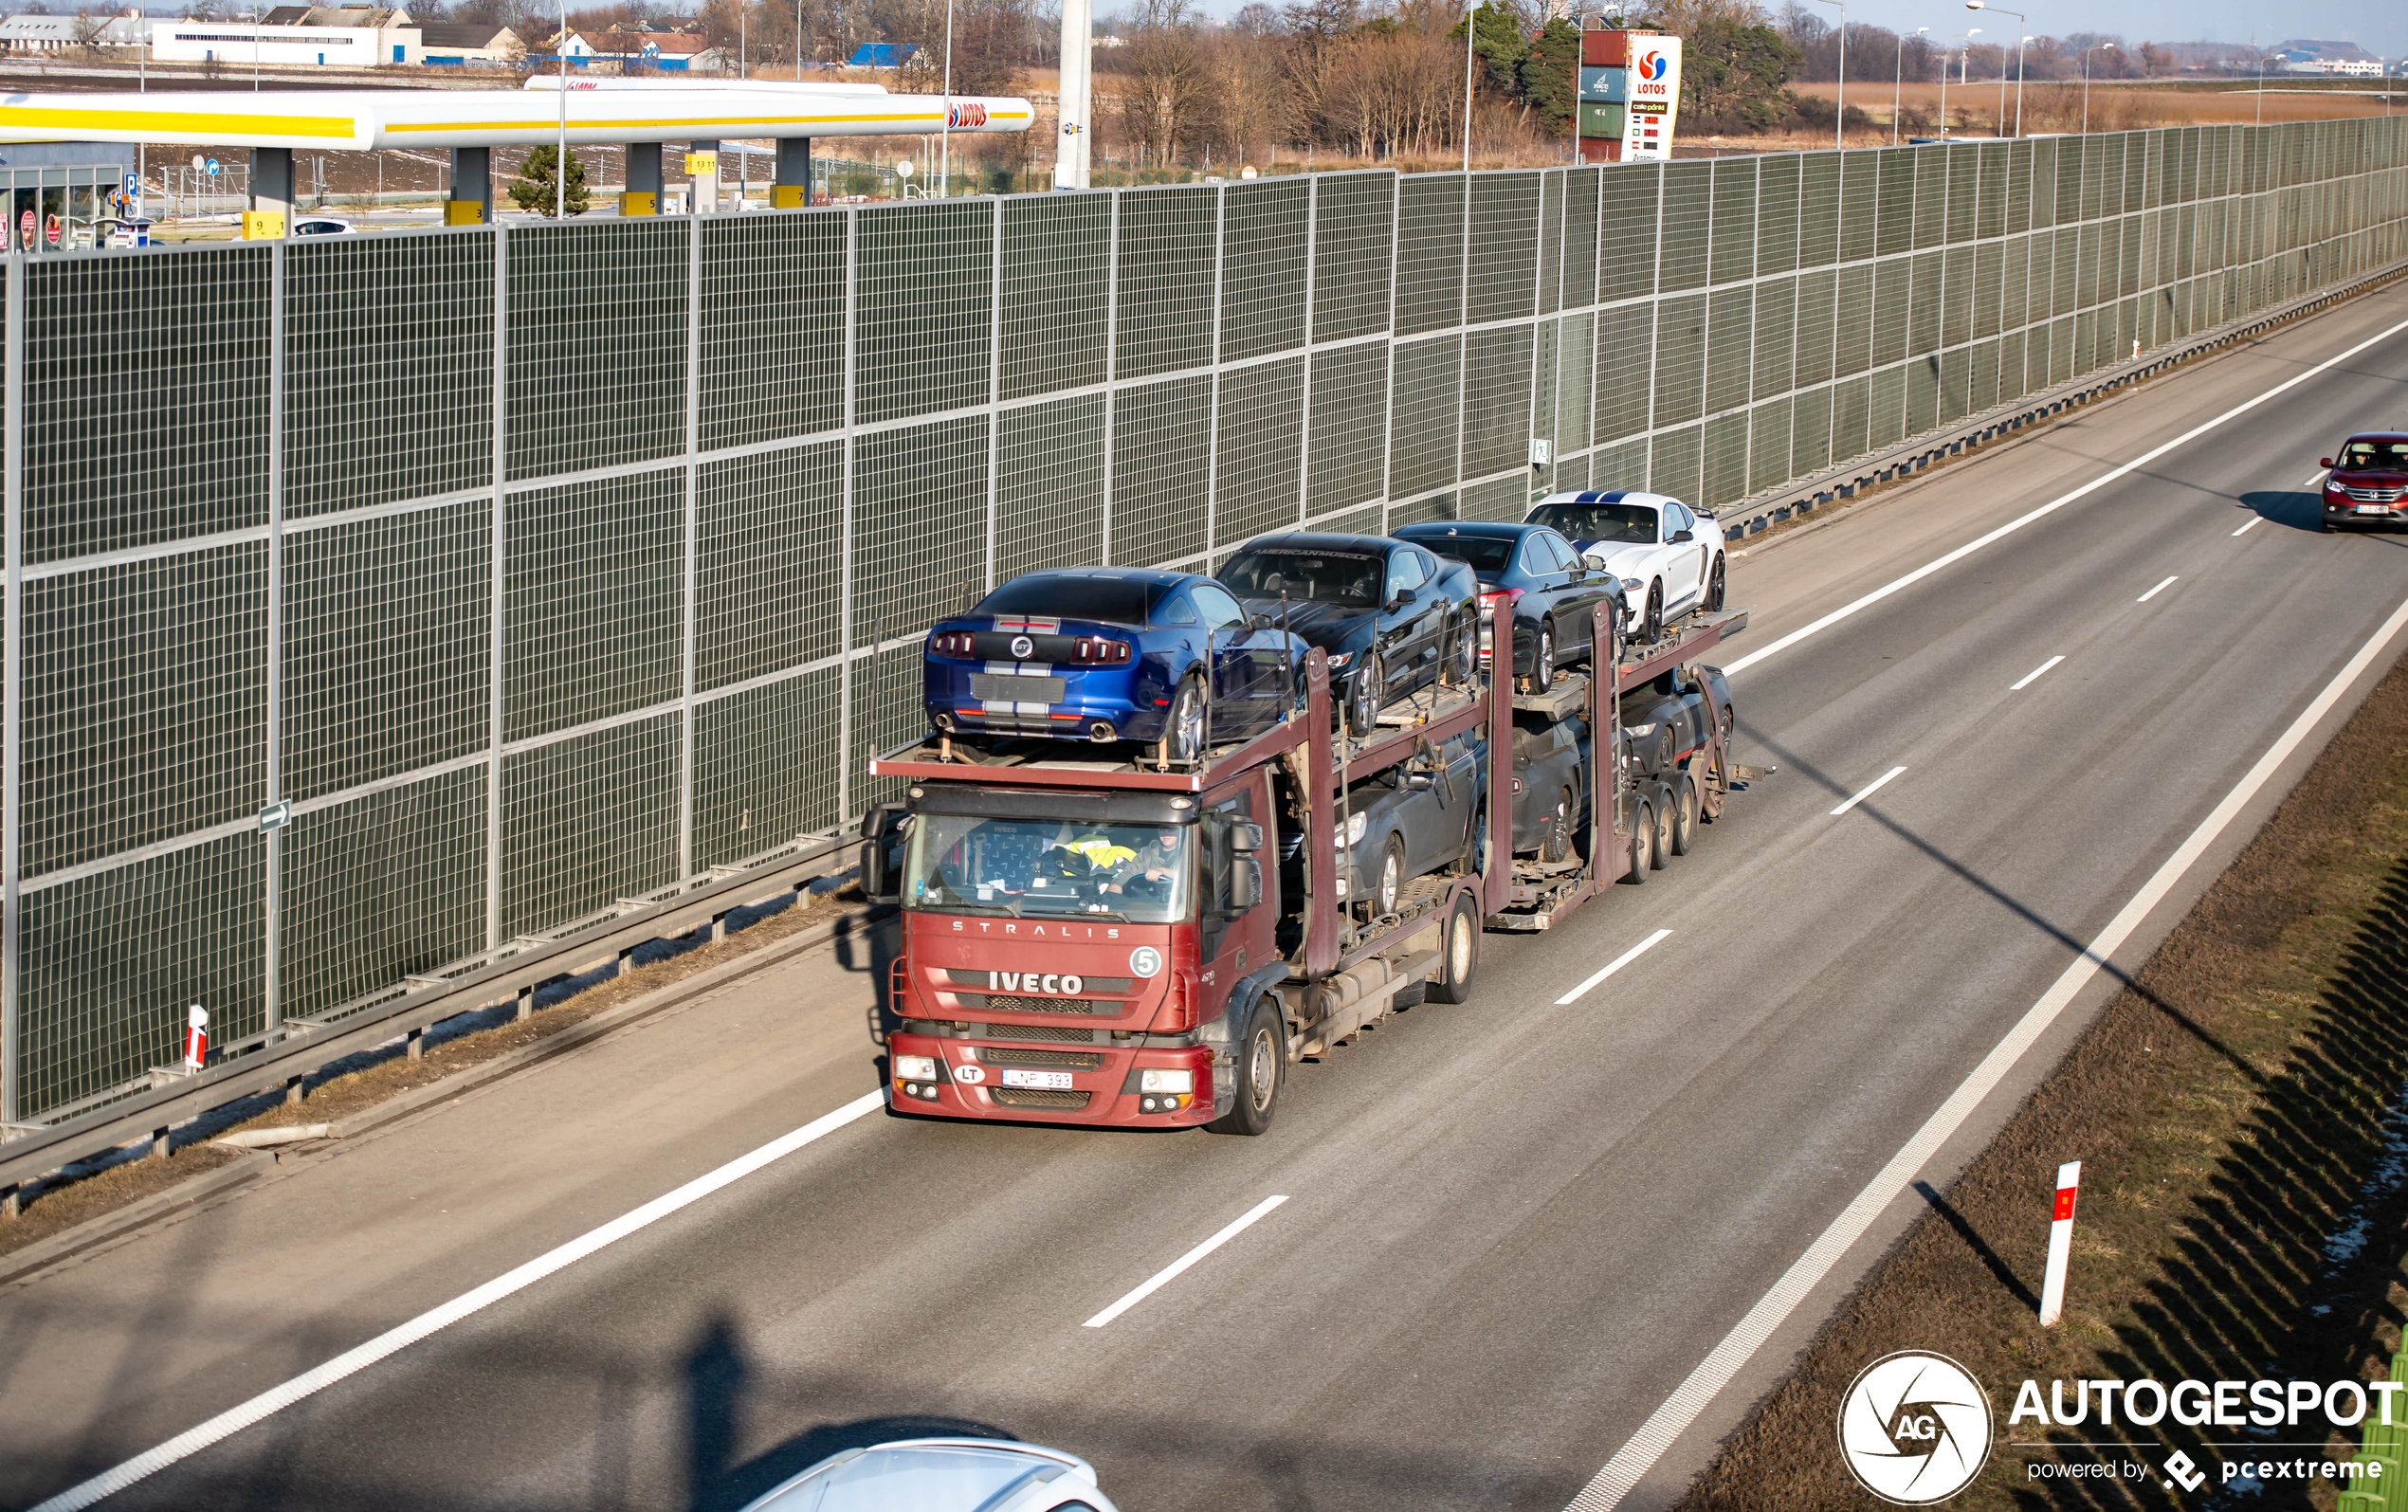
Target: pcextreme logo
[1652,65]
[1914,1428]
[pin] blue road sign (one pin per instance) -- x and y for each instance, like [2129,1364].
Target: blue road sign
[213,168]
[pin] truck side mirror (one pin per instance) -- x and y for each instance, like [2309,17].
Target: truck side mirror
[1245,883]
[1245,837]
[880,828]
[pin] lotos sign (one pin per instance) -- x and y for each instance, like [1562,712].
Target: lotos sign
[1655,98]
[966,114]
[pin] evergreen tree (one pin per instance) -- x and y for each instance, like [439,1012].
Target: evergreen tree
[1499,43]
[533,191]
[1551,76]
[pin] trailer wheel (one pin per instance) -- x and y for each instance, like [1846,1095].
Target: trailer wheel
[1458,953]
[1663,842]
[1261,1067]
[1642,843]
[1685,806]
[1714,589]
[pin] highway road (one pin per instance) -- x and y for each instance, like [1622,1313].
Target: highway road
[1511,1229]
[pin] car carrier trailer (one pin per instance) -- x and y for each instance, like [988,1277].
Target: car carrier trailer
[1099,988]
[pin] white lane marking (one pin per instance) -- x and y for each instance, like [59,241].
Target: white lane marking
[269,1402]
[2159,589]
[1635,1458]
[2254,521]
[2050,507]
[2310,479]
[1617,964]
[2033,676]
[1878,783]
[1171,1271]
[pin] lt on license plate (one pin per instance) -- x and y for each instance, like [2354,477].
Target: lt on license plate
[1043,1080]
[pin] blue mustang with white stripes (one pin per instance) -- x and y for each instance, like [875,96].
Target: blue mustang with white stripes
[1106,654]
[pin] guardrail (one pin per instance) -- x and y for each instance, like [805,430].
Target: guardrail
[304,1045]
[1798,497]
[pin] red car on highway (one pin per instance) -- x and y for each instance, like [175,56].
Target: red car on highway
[2368,485]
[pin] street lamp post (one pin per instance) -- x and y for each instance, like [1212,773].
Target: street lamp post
[1839,118]
[944,141]
[2104,46]
[1898,86]
[1471,35]
[2020,37]
[1965,37]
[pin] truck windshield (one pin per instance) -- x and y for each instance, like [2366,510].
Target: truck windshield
[1329,577]
[1144,873]
[1625,524]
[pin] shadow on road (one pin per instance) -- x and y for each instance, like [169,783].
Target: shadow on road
[2287,507]
[720,1378]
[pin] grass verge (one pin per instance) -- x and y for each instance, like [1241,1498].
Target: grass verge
[2243,1128]
[360,1082]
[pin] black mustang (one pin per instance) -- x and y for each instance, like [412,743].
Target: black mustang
[1392,616]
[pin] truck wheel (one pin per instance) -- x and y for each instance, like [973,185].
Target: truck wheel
[1714,589]
[1557,843]
[1685,814]
[1663,842]
[1642,843]
[1458,954]
[1184,731]
[1262,1066]
[1391,879]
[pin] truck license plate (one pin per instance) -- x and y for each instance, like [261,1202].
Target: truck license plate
[1044,1081]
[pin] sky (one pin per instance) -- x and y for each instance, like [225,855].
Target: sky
[2377,26]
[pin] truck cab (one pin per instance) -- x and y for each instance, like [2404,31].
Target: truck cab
[1070,955]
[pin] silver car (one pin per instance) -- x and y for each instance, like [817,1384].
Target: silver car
[942,1475]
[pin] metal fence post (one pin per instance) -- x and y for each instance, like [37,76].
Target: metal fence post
[692,542]
[1304,403]
[1213,407]
[1111,363]
[11,708]
[496,543]
[845,543]
[270,821]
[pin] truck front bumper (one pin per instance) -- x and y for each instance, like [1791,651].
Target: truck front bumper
[1105,1083]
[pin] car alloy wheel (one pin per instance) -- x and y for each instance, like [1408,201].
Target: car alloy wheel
[1542,661]
[1363,703]
[1392,879]
[1557,843]
[1714,589]
[1185,733]
[1652,631]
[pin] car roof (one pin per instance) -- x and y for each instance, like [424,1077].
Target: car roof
[1315,541]
[1153,576]
[1429,530]
[958,1474]
[2379,435]
[1609,496]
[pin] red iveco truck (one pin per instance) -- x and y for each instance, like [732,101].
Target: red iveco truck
[1087,939]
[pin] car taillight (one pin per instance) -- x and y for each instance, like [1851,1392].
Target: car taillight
[1101,652]
[953,643]
[1492,598]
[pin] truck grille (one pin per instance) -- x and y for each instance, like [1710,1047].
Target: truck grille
[1022,1097]
[1040,1032]
[984,979]
[1003,1003]
[1010,1055]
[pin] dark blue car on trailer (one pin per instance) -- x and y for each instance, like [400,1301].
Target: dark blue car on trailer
[1106,654]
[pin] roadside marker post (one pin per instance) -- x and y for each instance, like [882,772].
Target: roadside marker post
[2060,1243]
[195,1037]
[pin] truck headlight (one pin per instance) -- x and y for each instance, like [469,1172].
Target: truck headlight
[1166,1081]
[915,1067]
